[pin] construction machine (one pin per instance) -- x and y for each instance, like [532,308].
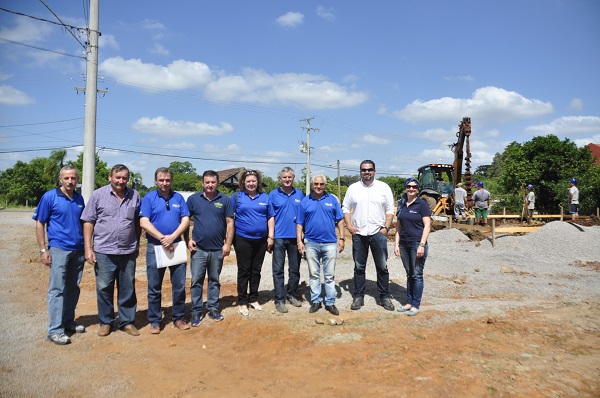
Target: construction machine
[439,180]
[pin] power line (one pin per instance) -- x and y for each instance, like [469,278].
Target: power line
[35,124]
[40,48]
[62,23]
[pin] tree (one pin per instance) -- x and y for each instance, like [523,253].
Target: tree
[548,163]
[102,170]
[185,177]
[135,180]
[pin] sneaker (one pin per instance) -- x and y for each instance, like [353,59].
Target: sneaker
[357,303]
[155,329]
[181,324]
[75,328]
[196,319]
[280,307]
[294,301]
[387,304]
[314,307]
[215,316]
[60,339]
[332,309]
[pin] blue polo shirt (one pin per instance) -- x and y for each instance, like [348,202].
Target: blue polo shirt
[61,215]
[209,219]
[251,215]
[154,207]
[319,217]
[284,208]
[411,219]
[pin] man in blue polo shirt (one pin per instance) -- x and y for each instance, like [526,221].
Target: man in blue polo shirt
[165,216]
[58,212]
[212,236]
[318,215]
[284,202]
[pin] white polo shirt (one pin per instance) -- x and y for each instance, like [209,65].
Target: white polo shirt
[370,205]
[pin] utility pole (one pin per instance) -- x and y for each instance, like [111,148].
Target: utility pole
[91,86]
[339,183]
[305,148]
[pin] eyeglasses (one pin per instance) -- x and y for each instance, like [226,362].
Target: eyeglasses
[367,170]
[412,187]
[167,205]
[319,184]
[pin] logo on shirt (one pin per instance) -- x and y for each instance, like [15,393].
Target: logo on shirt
[297,200]
[176,205]
[262,203]
[218,205]
[329,204]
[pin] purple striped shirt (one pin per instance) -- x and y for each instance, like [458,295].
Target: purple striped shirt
[114,221]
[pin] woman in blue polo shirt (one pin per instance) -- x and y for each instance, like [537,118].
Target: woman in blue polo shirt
[253,237]
[412,230]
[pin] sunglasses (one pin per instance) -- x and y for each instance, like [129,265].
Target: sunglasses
[318,184]
[367,170]
[250,172]
[167,205]
[412,187]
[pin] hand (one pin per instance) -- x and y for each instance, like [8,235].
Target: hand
[90,256]
[167,241]
[352,229]
[341,245]
[301,249]
[192,245]
[226,250]
[396,250]
[269,245]
[420,251]
[46,258]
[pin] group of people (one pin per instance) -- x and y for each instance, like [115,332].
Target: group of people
[106,232]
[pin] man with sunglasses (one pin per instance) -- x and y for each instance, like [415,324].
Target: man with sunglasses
[164,216]
[368,213]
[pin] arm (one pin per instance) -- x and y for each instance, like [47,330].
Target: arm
[389,218]
[348,220]
[229,228]
[270,234]
[424,236]
[88,231]
[341,239]
[397,238]
[40,235]
[299,241]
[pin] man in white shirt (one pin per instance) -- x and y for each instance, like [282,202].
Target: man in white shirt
[368,213]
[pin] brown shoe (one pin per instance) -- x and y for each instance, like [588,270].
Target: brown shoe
[154,329]
[131,330]
[104,330]
[181,324]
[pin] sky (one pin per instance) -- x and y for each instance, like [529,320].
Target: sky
[224,84]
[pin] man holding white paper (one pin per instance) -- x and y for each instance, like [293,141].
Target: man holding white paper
[164,216]
[211,240]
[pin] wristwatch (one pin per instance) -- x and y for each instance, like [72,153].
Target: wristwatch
[343,239]
[422,244]
[42,251]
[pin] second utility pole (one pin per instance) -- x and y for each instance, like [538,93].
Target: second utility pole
[306,147]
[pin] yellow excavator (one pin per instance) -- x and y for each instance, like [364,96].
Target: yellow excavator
[439,180]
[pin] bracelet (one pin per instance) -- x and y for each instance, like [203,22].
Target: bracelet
[344,239]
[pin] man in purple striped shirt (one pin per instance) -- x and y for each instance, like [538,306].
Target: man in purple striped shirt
[111,219]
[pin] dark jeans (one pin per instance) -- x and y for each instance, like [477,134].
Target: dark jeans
[250,254]
[360,251]
[155,279]
[280,248]
[120,268]
[414,271]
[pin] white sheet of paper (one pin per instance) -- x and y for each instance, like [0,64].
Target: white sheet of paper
[166,259]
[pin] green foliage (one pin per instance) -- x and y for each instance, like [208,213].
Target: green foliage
[185,177]
[548,163]
[25,182]
[396,184]
[102,170]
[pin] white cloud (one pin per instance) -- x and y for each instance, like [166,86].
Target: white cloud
[178,75]
[568,126]
[291,19]
[373,139]
[162,125]
[108,41]
[326,13]
[152,24]
[159,49]
[488,104]
[335,148]
[466,78]
[11,96]
[576,104]
[26,31]
[303,90]
[180,145]
[581,142]
[231,149]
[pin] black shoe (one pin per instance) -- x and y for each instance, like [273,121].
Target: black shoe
[387,304]
[280,307]
[357,303]
[332,309]
[314,307]
[294,301]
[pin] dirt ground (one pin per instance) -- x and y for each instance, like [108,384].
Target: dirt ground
[538,351]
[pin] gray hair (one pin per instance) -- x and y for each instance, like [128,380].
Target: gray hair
[317,176]
[67,168]
[285,170]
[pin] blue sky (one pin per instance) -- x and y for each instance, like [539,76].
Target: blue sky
[225,84]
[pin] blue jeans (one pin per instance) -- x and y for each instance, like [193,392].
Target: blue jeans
[360,250]
[120,268]
[327,252]
[280,248]
[205,262]
[414,271]
[155,279]
[63,290]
